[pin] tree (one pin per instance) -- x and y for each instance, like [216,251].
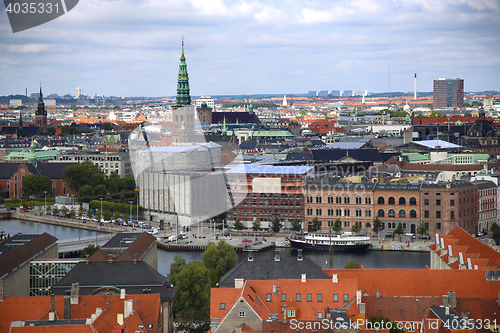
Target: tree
[238,225]
[107,127]
[399,230]
[55,210]
[35,184]
[98,214]
[85,173]
[422,229]
[276,224]
[175,268]
[90,249]
[85,191]
[316,224]
[72,212]
[296,225]
[337,225]
[192,300]
[352,264]
[107,215]
[496,231]
[116,215]
[64,210]
[69,130]
[383,323]
[80,212]
[100,190]
[52,130]
[377,225]
[256,225]
[125,217]
[219,259]
[355,227]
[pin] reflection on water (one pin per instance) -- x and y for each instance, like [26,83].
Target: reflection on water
[13,226]
[369,259]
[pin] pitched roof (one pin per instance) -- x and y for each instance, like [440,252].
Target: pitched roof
[20,248]
[404,308]
[53,170]
[136,278]
[7,170]
[266,268]
[421,282]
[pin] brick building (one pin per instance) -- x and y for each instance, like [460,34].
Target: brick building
[266,191]
[393,203]
[329,200]
[487,204]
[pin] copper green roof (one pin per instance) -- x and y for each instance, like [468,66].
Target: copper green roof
[25,155]
[272,134]
[413,157]
[183,95]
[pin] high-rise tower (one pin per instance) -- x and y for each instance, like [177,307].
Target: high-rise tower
[183,96]
[41,114]
[448,93]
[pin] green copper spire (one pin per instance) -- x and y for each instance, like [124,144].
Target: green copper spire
[32,156]
[183,97]
[224,129]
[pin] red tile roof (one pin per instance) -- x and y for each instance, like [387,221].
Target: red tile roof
[421,282]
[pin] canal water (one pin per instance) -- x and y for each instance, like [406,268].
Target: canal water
[369,259]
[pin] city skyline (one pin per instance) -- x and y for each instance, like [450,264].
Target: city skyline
[133,48]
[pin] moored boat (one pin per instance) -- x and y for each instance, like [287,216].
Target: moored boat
[323,242]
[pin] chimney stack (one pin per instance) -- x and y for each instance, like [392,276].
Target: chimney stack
[452,299]
[303,278]
[135,258]
[127,308]
[75,293]
[378,293]
[87,259]
[67,307]
[447,310]
[445,300]
[110,258]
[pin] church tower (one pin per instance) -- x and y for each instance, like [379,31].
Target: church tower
[41,114]
[182,112]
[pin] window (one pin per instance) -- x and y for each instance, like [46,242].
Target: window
[242,314]
[320,297]
[402,201]
[358,212]
[298,297]
[309,211]
[291,313]
[358,200]
[346,298]
[309,199]
[346,224]
[318,211]
[320,315]
[368,213]
[402,213]
[452,214]
[346,200]
[391,213]
[268,298]
[380,200]
[368,201]
[309,297]
[283,297]
[438,193]
[413,201]
[391,201]
[318,199]
[338,200]
[330,199]
[426,202]
[347,212]
[426,214]
[438,226]
[438,214]
[413,214]
[426,225]
[380,213]
[438,202]
[222,306]
[452,202]
[335,297]
[338,212]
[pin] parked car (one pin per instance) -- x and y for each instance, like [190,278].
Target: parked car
[389,235]
[427,237]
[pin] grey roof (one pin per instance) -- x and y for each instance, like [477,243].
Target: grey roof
[53,170]
[134,277]
[266,268]
[484,184]
[7,170]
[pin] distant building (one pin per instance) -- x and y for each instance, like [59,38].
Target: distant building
[109,162]
[335,93]
[78,92]
[347,93]
[448,93]
[15,102]
[205,99]
[41,114]
[311,93]
[323,93]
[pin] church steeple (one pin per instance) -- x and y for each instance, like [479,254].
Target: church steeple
[183,95]
[41,114]
[41,105]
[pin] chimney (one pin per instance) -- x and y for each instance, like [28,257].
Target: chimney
[452,299]
[437,241]
[447,310]
[335,279]
[127,308]
[75,293]
[238,283]
[445,300]
[358,297]
[52,311]
[238,329]
[110,258]
[119,318]
[465,316]
[378,293]
[135,258]
[450,253]
[87,259]
[67,307]
[122,293]
[303,278]
[1,290]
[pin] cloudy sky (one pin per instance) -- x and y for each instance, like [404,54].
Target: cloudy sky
[132,47]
